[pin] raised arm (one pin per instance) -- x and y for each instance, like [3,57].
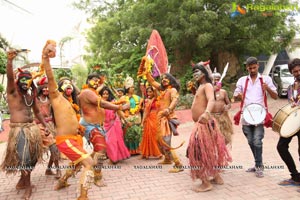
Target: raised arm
[10,72]
[49,51]
[151,80]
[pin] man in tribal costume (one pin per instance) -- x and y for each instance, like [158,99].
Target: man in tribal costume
[68,138]
[220,109]
[206,151]
[44,105]
[167,119]
[24,147]
[93,116]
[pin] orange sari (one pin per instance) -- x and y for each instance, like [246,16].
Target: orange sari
[149,146]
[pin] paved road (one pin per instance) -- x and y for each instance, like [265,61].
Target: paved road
[131,180]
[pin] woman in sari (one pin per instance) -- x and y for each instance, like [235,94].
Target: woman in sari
[116,149]
[149,146]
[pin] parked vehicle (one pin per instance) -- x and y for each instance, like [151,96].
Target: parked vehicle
[282,78]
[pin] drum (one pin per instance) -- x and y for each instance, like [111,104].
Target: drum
[286,122]
[254,113]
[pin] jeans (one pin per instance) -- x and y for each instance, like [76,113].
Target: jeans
[255,135]
[283,150]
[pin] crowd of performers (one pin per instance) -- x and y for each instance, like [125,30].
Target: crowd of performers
[117,123]
[53,116]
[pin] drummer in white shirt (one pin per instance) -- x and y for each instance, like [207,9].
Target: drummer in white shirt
[283,143]
[254,94]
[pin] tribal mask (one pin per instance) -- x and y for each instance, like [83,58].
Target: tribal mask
[93,83]
[24,80]
[67,87]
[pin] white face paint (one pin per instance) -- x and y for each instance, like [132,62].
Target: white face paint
[197,74]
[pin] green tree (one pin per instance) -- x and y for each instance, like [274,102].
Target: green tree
[59,73]
[79,74]
[3,61]
[192,30]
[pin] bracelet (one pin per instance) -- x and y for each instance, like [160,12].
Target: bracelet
[44,56]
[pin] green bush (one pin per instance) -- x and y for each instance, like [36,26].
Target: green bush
[185,102]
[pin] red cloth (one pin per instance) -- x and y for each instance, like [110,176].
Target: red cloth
[71,148]
[97,140]
[157,51]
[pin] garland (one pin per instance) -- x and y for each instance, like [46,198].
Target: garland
[145,67]
[81,128]
[162,93]
[85,86]
[136,108]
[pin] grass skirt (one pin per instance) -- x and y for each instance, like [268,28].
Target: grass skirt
[207,151]
[225,125]
[24,148]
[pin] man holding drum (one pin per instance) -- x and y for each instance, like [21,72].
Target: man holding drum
[283,143]
[251,90]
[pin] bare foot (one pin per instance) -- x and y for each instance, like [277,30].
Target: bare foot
[165,162]
[203,188]
[100,183]
[141,158]
[58,174]
[21,184]
[217,180]
[61,184]
[112,162]
[28,192]
[176,169]
[49,172]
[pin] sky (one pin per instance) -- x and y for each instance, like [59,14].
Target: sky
[30,26]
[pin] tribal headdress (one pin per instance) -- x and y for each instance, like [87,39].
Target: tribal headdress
[42,83]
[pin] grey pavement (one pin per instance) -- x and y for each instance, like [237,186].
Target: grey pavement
[137,179]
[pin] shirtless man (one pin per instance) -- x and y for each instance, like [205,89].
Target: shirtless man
[221,107]
[93,116]
[206,150]
[168,99]
[24,147]
[44,105]
[68,141]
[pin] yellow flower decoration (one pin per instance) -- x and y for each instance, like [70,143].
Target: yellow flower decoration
[137,105]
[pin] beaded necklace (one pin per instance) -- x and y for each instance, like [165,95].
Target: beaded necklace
[26,103]
[43,101]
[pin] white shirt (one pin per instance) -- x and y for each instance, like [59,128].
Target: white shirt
[254,93]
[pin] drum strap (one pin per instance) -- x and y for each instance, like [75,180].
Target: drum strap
[265,96]
[244,94]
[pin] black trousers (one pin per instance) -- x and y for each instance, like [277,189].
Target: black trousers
[283,150]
